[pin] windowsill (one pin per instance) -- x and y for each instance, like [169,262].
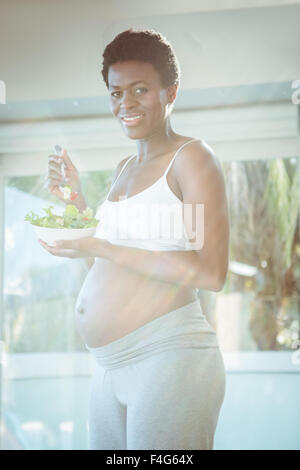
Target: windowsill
[262,361]
[42,365]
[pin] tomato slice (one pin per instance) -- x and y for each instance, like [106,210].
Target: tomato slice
[73,195]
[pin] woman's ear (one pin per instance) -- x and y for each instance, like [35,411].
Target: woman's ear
[172,93]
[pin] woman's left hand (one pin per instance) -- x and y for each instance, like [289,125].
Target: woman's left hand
[82,248]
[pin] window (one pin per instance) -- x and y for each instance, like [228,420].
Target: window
[259,307]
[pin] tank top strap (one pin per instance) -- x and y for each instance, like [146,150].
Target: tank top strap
[119,174]
[178,150]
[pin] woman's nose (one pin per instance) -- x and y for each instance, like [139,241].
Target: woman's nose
[127,99]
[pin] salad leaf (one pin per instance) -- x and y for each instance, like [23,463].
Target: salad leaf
[71,211]
[71,218]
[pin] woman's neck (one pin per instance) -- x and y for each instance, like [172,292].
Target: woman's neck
[155,145]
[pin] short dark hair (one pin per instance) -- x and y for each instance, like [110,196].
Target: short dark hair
[145,45]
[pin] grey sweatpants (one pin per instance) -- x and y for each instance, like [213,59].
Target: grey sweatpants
[160,387]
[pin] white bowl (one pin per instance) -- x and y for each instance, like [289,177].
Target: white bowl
[50,235]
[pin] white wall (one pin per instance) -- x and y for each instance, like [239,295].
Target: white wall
[53,50]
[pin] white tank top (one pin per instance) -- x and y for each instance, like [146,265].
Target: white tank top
[151,219]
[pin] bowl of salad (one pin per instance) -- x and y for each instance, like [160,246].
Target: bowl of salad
[71,225]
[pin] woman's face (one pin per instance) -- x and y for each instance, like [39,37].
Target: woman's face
[135,90]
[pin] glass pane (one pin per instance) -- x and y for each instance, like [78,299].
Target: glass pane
[45,376]
[259,307]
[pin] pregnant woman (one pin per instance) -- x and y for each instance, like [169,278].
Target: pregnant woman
[159,380]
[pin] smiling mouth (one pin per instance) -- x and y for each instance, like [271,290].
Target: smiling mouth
[132,121]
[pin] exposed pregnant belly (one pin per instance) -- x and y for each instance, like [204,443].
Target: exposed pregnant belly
[113,301]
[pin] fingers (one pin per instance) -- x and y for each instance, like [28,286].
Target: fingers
[53,186]
[55,163]
[55,169]
[50,182]
[46,246]
[61,171]
[66,159]
[55,177]
[56,191]
[57,251]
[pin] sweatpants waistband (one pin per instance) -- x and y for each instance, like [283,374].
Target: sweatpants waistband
[185,327]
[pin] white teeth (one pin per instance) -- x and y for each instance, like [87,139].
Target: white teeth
[132,118]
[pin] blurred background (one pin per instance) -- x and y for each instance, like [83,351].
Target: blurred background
[240,91]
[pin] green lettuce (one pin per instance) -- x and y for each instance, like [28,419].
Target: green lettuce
[71,218]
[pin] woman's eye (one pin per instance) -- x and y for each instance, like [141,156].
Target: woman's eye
[140,88]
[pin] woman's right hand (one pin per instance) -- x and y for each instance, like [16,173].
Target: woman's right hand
[57,176]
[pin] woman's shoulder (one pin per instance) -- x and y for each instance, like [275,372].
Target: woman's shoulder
[196,158]
[188,145]
[194,149]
